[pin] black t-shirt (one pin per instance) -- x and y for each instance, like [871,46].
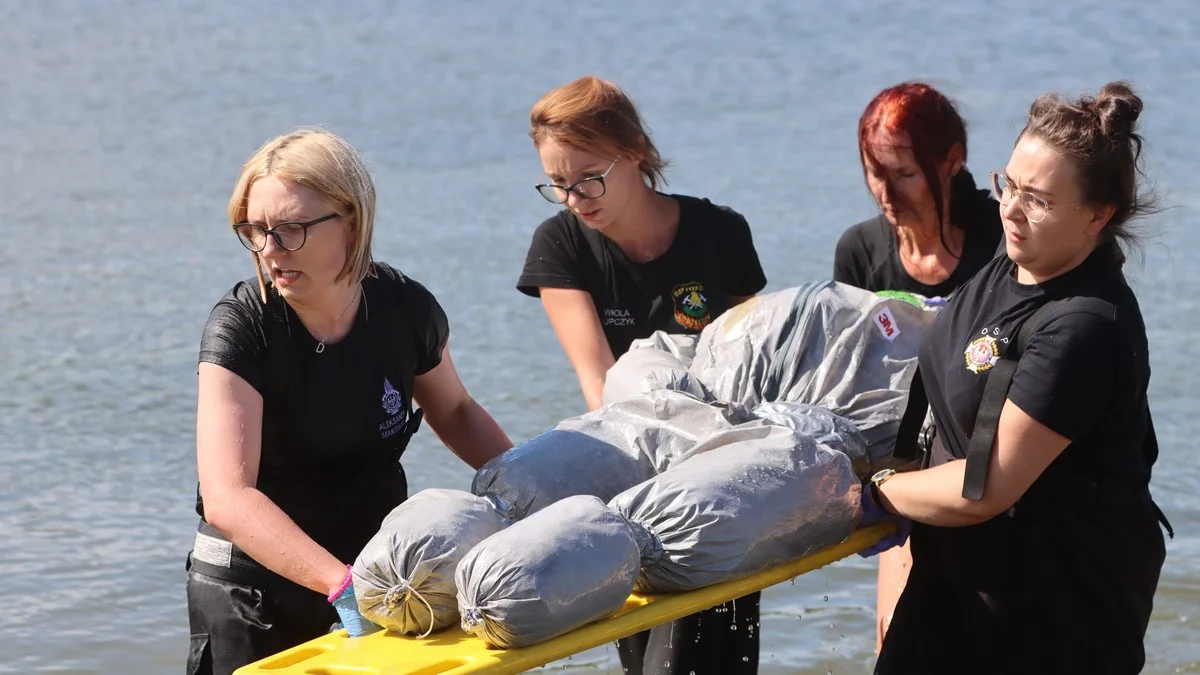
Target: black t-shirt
[1084,373]
[867,256]
[711,260]
[332,421]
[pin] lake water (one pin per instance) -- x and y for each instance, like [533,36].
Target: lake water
[124,124]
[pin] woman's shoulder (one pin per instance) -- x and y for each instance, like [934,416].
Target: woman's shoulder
[704,211]
[397,284]
[868,239]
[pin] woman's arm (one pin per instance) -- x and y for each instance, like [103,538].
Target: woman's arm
[457,419]
[228,450]
[573,316]
[1022,450]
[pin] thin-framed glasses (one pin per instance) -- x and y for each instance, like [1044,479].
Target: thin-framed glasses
[289,236]
[592,187]
[1034,207]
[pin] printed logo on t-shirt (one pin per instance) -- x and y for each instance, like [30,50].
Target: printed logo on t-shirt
[691,307]
[982,353]
[616,317]
[393,406]
[886,323]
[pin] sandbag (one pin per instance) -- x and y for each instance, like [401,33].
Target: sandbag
[571,563]
[659,361]
[825,344]
[769,496]
[404,576]
[602,452]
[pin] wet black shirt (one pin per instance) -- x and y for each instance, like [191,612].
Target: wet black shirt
[331,421]
[867,254]
[711,261]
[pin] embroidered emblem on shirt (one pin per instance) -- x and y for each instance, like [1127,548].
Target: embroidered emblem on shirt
[391,398]
[981,354]
[886,323]
[691,307]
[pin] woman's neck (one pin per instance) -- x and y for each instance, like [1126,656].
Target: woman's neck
[647,227]
[329,317]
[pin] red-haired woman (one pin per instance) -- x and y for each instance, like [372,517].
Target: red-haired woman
[935,229]
[621,261]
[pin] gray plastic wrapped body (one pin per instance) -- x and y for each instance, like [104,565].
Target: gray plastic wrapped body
[827,429]
[768,496]
[602,452]
[404,576]
[659,361]
[826,344]
[565,566]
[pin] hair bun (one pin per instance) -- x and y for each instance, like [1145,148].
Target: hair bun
[1118,108]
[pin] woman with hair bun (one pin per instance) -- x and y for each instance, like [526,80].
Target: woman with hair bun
[1035,542]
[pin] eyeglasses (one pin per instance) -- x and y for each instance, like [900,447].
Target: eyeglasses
[588,188]
[289,236]
[1034,207]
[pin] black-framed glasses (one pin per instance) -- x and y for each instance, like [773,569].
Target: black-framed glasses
[592,187]
[1033,206]
[289,236]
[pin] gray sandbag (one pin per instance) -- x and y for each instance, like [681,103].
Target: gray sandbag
[659,361]
[565,566]
[770,496]
[824,427]
[404,576]
[826,344]
[602,452]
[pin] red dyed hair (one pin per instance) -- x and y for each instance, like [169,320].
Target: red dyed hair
[596,116]
[931,122]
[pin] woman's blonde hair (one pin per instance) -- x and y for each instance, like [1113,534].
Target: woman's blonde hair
[325,163]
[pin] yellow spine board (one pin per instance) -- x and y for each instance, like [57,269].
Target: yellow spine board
[452,652]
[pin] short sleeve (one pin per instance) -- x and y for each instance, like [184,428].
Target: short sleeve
[234,338]
[746,276]
[432,326]
[1068,372]
[553,260]
[848,266]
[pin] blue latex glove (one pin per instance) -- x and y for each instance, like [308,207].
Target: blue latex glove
[873,514]
[346,604]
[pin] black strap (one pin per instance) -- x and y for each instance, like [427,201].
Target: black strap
[907,445]
[995,393]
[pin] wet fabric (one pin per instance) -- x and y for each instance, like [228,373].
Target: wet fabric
[567,565]
[758,496]
[233,624]
[404,576]
[825,344]
[653,363]
[604,451]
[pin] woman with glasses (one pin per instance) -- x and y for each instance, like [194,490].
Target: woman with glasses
[1035,543]
[618,262]
[308,377]
[934,231]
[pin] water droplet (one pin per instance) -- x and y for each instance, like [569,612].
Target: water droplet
[745,659]
[733,626]
[827,598]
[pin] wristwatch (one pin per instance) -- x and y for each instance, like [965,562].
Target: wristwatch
[878,479]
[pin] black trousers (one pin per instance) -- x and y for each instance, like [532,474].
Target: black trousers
[718,641]
[235,624]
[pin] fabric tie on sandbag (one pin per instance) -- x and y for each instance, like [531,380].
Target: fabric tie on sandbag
[825,344]
[567,565]
[602,452]
[659,361]
[404,576]
[762,495]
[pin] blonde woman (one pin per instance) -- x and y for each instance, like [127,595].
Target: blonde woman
[310,376]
